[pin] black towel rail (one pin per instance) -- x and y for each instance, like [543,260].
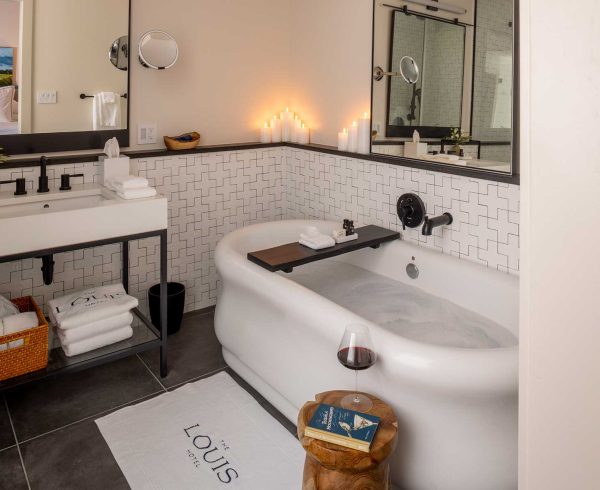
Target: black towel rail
[84,96]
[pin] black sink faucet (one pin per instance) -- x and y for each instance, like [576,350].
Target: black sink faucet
[43,180]
[431,223]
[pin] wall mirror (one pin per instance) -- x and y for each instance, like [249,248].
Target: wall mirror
[448,73]
[64,66]
[158,50]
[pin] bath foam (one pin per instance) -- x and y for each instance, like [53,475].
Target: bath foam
[406,310]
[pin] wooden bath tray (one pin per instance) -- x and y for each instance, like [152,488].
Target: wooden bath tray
[286,257]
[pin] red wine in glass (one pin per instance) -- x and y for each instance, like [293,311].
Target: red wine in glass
[356,352]
[357,358]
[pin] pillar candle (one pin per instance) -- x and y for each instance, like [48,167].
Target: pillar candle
[304,135]
[364,130]
[265,133]
[353,137]
[297,125]
[275,130]
[287,121]
[343,140]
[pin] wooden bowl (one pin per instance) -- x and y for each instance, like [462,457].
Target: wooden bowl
[173,144]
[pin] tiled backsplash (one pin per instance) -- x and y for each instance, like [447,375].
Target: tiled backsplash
[212,194]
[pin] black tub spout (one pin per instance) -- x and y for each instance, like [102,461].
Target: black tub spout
[431,223]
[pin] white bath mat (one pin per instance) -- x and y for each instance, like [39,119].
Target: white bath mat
[205,435]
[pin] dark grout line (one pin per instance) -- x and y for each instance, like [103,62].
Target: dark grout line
[17,442]
[150,371]
[99,414]
[7,448]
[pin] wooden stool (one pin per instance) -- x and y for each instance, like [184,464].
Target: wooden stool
[332,467]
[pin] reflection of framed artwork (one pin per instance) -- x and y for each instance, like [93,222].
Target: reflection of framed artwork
[7,66]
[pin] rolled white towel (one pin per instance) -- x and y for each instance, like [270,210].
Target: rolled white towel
[7,307]
[129,182]
[97,342]
[90,305]
[94,329]
[137,193]
[18,323]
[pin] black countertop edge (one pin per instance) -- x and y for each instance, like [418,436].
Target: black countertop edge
[392,160]
[420,164]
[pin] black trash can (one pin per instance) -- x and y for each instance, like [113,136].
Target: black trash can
[175,306]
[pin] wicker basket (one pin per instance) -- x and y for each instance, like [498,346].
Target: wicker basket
[33,354]
[172,143]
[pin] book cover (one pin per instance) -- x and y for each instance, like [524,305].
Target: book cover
[341,426]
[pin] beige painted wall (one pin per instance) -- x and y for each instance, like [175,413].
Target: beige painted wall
[71,39]
[331,64]
[560,263]
[9,24]
[233,72]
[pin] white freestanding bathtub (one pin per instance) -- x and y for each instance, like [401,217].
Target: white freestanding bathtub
[453,388]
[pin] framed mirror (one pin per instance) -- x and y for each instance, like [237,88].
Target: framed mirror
[158,50]
[445,89]
[70,74]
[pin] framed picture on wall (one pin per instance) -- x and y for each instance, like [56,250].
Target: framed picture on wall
[7,66]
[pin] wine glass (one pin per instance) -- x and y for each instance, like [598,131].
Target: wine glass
[356,352]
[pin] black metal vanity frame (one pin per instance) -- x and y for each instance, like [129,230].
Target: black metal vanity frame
[59,366]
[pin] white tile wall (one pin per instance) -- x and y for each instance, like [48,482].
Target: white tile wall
[486,213]
[212,194]
[209,195]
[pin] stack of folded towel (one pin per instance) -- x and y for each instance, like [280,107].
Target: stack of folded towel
[131,187]
[93,318]
[314,239]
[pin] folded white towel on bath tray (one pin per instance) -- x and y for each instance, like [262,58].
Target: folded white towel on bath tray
[97,342]
[94,329]
[90,305]
[15,324]
[314,239]
[137,193]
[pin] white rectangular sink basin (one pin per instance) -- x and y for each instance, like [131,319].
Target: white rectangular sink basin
[88,213]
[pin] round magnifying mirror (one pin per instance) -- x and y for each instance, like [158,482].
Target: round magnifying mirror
[119,53]
[409,70]
[158,50]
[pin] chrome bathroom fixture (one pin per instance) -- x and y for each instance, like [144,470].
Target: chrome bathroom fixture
[118,54]
[409,71]
[158,50]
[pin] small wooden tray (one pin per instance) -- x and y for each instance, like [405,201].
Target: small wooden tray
[172,143]
[286,257]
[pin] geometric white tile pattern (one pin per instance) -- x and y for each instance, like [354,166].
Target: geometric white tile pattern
[211,194]
[486,213]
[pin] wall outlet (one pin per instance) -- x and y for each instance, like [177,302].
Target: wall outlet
[46,97]
[146,134]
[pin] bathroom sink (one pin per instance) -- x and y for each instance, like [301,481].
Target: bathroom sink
[85,214]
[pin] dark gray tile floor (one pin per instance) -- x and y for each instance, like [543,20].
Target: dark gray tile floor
[58,445]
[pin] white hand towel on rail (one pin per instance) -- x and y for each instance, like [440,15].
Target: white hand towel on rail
[90,305]
[106,111]
[93,329]
[98,341]
[137,193]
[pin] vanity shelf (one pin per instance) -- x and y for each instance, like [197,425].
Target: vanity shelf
[145,335]
[286,257]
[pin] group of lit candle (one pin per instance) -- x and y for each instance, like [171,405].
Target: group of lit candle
[286,127]
[356,139]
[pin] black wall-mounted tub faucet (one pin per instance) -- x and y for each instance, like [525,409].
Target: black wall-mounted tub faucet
[431,223]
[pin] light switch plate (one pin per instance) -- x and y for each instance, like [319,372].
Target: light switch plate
[147,134]
[46,97]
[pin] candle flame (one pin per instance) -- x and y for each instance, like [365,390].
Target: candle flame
[266,124]
[354,123]
[287,109]
[303,125]
[345,131]
[366,115]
